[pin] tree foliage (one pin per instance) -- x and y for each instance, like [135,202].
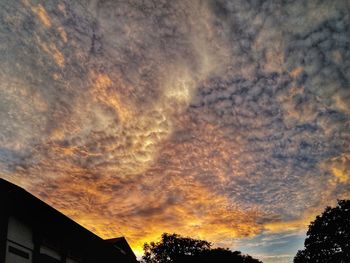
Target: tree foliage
[176,249]
[172,248]
[328,237]
[224,256]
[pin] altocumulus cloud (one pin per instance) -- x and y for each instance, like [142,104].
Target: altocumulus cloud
[215,119]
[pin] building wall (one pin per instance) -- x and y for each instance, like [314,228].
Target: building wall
[33,232]
[20,246]
[27,243]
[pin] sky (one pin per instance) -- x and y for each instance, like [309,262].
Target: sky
[222,120]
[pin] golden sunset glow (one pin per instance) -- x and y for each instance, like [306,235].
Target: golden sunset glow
[220,120]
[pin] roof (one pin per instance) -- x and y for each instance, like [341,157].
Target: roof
[20,203]
[121,244]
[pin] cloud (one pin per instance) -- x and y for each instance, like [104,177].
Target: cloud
[218,119]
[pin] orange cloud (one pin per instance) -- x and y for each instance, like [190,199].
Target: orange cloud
[40,13]
[103,90]
[52,50]
[173,203]
[201,124]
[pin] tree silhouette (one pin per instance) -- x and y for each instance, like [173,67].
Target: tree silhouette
[328,237]
[224,256]
[176,249]
[172,248]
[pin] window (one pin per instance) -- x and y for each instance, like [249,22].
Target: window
[18,252]
[43,258]
[48,255]
[70,260]
[74,257]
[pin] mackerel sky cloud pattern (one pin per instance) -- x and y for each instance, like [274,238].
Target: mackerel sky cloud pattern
[223,120]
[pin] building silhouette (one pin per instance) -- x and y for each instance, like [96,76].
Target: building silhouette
[33,232]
